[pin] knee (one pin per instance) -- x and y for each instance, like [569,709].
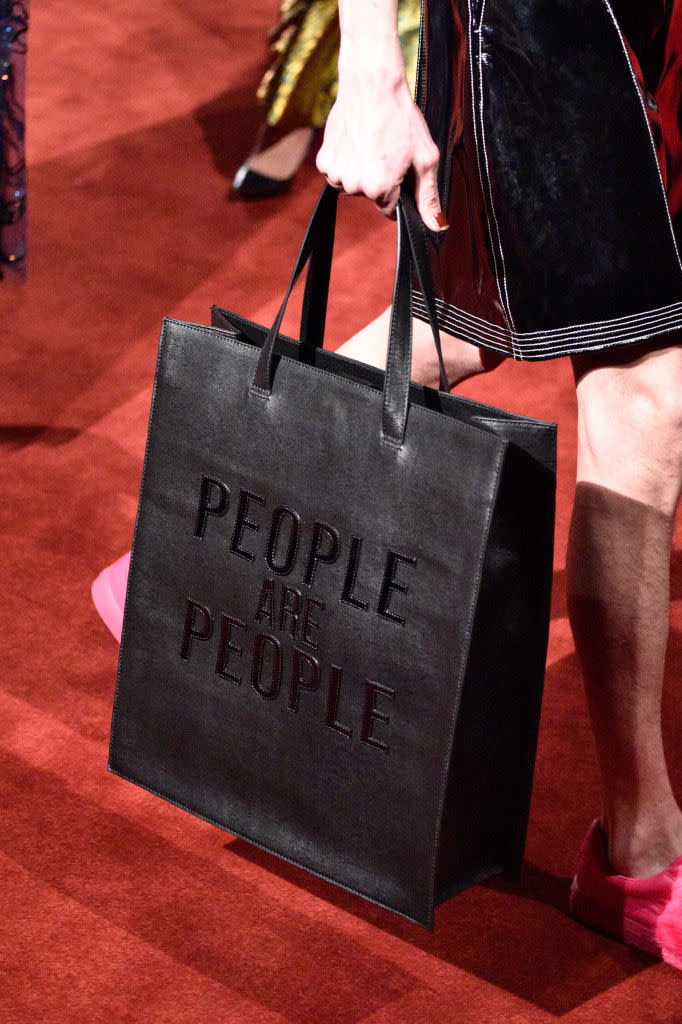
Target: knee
[654,413]
[637,400]
[630,428]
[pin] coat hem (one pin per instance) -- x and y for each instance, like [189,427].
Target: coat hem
[555,342]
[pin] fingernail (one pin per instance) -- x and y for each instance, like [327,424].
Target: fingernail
[438,222]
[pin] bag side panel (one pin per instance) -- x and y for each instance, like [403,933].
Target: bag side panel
[497,727]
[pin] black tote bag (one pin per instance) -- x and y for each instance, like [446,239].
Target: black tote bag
[338,601]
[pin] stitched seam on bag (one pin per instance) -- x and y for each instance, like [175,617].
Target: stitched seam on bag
[262,846]
[390,443]
[531,424]
[648,126]
[297,367]
[366,389]
[363,388]
[391,356]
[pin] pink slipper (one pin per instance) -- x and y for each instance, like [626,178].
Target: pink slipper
[643,912]
[109,594]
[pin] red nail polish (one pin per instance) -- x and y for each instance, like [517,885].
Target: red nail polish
[441,221]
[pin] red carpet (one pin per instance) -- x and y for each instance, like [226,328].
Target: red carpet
[114,906]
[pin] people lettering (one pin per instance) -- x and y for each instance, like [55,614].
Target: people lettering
[283,635]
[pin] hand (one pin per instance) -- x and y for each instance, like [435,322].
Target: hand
[375,134]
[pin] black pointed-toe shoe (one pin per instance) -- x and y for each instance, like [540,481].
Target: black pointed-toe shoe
[249,184]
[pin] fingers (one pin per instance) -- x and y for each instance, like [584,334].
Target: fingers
[426,196]
[339,178]
[426,189]
[353,166]
[323,166]
[387,202]
[327,161]
[374,163]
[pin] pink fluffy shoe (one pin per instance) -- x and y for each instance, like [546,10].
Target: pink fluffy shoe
[109,594]
[643,912]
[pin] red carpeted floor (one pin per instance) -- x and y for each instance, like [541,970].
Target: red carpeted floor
[115,907]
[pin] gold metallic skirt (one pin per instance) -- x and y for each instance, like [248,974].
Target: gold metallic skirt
[300,85]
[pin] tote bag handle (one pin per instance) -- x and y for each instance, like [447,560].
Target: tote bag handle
[316,252]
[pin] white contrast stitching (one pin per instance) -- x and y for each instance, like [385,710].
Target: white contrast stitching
[484,191]
[479,60]
[555,341]
[590,327]
[648,126]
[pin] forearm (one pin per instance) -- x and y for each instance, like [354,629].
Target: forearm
[375,133]
[369,41]
[368,18]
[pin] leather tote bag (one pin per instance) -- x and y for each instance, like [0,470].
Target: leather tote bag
[338,603]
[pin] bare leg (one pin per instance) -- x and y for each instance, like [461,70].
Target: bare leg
[283,158]
[629,480]
[462,359]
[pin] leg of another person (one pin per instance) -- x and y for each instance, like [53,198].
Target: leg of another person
[461,359]
[629,483]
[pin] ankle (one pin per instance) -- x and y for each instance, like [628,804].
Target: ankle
[643,847]
[282,158]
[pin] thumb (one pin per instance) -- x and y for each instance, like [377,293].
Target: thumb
[426,197]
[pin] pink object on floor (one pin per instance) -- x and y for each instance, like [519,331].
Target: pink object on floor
[643,912]
[109,594]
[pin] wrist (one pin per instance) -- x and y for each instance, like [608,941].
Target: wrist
[375,61]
